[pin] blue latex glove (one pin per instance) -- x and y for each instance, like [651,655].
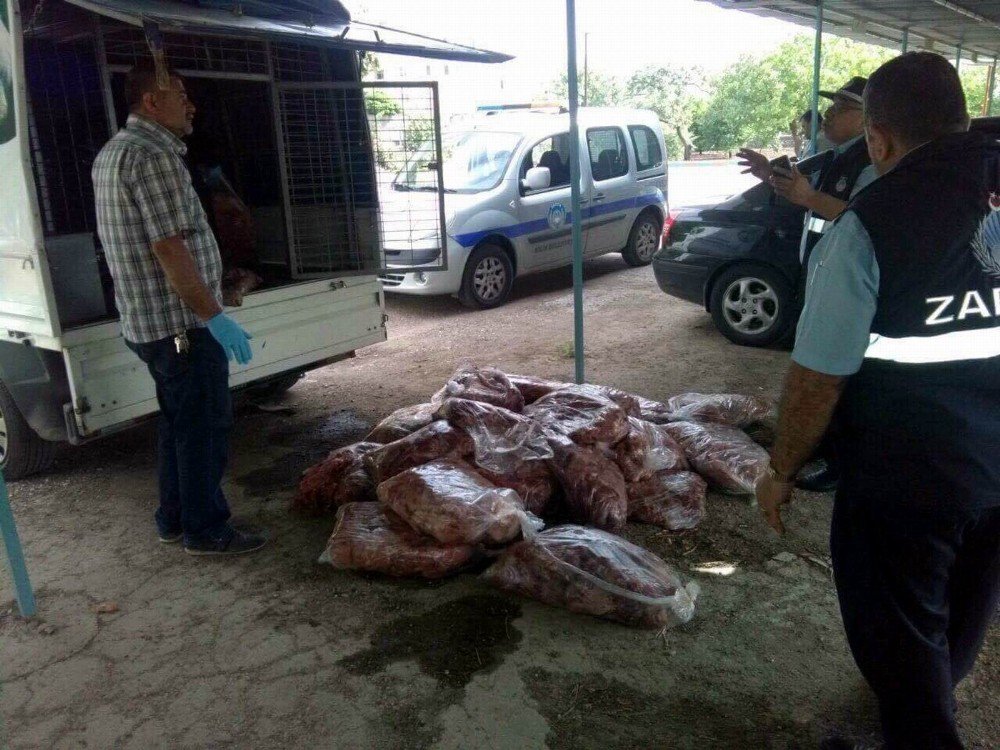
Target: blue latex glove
[233,338]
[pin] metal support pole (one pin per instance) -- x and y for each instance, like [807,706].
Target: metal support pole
[586,66]
[817,52]
[905,46]
[15,557]
[958,57]
[991,85]
[574,185]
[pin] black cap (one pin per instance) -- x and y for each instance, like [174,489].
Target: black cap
[852,90]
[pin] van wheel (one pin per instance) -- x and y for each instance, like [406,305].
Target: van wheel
[22,452]
[488,278]
[752,305]
[643,241]
[275,388]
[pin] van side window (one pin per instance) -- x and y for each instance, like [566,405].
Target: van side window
[608,153]
[552,152]
[647,148]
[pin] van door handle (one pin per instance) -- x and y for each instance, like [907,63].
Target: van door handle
[600,197]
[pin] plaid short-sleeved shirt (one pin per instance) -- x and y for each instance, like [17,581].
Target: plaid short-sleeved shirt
[144,194]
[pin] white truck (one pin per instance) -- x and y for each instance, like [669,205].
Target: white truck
[278,90]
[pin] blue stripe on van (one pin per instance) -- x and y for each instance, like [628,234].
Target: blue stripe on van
[513,231]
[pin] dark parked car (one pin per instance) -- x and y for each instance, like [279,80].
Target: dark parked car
[740,258]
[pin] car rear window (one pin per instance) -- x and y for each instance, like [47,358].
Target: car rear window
[647,148]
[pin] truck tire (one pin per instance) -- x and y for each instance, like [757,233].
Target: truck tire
[643,240]
[488,277]
[753,305]
[22,452]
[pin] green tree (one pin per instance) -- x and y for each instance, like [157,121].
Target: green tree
[603,90]
[676,97]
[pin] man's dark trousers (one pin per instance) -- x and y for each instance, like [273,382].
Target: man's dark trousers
[917,593]
[196,415]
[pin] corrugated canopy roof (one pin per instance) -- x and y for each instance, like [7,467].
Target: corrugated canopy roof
[329,30]
[941,25]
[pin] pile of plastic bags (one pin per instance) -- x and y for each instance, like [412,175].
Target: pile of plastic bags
[474,476]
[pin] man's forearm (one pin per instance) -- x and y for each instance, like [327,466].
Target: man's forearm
[826,205]
[184,277]
[807,406]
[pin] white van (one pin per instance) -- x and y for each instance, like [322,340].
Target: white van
[278,86]
[507,202]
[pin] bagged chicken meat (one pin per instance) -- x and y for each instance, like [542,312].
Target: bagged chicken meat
[533,481]
[533,388]
[448,500]
[646,450]
[338,479]
[582,414]
[672,500]
[653,411]
[596,573]
[724,408]
[593,486]
[436,440]
[723,455]
[237,283]
[486,384]
[369,537]
[503,439]
[402,422]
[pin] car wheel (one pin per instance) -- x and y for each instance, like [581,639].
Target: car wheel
[275,388]
[752,305]
[22,452]
[643,241]
[488,278]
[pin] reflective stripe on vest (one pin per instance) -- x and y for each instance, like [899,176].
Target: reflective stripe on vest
[816,224]
[957,346]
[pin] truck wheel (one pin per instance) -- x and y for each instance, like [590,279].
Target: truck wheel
[22,452]
[488,278]
[752,305]
[643,241]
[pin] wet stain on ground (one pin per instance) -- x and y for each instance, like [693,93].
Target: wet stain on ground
[450,643]
[595,712]
[310,440]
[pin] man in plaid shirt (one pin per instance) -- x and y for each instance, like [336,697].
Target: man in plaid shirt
[167,272]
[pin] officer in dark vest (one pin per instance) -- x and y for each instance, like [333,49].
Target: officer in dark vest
[899,342]
[845,170]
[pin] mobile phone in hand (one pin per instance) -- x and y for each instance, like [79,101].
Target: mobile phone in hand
[782,166]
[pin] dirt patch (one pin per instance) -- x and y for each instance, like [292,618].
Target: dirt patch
[595,712]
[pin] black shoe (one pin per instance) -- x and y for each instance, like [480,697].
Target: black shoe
[817,476]
[232,542]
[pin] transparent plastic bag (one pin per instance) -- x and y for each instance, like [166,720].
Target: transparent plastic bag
[673,500]
[581,413]
[338,479]
[723,455]
[533,481]
[646,450]
[503,439]
[596,573]
[448,500]
[533,388]
[731,409]
[653,411]
[369,537]
[486,384]
[436,440]
[593,486]
[402,422]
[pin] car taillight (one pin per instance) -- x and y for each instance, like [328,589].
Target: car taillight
[667,226]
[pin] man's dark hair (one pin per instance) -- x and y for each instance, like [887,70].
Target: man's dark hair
[917,96]
[142,80]
[807,117]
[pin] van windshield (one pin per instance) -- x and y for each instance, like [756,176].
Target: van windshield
[473,162]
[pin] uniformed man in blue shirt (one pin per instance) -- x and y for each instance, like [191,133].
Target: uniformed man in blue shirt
[899,344]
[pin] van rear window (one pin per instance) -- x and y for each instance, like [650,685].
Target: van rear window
[647,147]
